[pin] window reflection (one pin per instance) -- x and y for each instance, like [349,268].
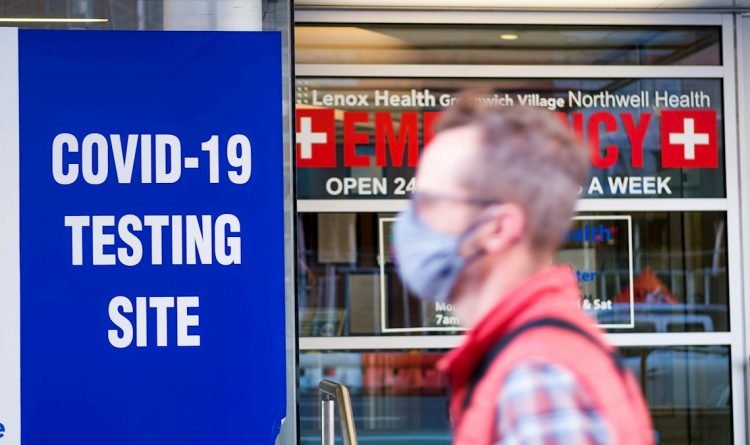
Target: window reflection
[477,44]
[119,14]
[398,398]
[679,275]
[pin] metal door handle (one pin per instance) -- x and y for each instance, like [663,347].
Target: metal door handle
[330,393]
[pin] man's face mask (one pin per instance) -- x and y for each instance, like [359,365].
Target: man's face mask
[430,262]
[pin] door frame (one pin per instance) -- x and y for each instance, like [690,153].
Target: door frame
[737,164]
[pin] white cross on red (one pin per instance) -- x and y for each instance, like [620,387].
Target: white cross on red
[306,138]
[689,138]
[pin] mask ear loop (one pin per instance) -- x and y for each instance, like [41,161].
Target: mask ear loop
[479,253]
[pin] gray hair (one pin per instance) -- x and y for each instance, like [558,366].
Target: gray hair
[528,157]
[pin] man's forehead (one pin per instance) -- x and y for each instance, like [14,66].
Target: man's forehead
[446,157]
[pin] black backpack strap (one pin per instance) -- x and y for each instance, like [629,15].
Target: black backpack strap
[507,339]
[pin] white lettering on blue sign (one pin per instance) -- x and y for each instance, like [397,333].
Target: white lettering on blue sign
[122,337]
[108,240]
[194,239]
[161,160]
[129,240]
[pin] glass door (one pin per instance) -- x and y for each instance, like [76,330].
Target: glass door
[655,243]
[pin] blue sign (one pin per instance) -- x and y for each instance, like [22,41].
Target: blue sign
[152,238]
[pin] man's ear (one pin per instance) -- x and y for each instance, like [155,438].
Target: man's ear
[505,229]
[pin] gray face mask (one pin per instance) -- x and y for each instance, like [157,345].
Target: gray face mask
[428,261]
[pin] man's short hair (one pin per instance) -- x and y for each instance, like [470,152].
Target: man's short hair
[528,157]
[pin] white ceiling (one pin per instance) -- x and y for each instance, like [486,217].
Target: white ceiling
[482,44]
[536,4]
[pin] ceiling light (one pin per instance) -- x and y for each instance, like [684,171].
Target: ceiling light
[509,36]
[49,20]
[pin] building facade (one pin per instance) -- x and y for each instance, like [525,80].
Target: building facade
[658,240]
[661,242]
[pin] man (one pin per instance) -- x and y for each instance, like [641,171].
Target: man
[495,192]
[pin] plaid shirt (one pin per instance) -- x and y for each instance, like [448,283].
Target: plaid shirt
[542,404]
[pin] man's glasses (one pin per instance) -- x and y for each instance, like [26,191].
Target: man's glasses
[422,201]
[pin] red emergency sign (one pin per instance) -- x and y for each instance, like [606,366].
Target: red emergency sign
[688,137]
